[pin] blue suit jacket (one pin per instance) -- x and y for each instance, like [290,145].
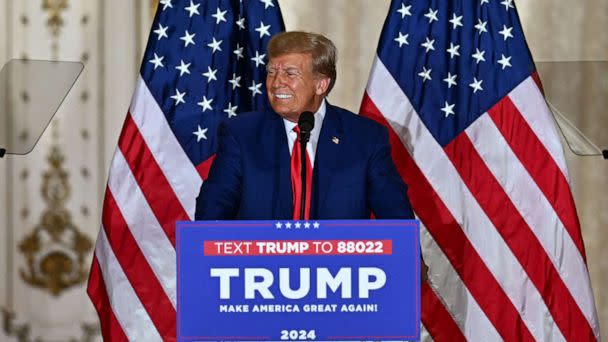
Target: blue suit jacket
[251,178]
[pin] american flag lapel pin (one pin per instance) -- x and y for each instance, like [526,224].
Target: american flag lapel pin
[335,140]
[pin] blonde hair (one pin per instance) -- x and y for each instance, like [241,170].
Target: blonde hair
[323,51]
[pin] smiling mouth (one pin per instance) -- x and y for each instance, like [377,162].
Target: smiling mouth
[283,96]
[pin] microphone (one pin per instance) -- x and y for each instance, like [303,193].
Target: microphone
[306,123]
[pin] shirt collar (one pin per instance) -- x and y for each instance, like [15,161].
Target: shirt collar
[311,147]
[319,116]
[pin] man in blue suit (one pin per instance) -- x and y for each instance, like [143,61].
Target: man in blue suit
[252,176]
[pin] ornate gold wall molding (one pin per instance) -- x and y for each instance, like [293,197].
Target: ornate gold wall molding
[56,250]
[54,9]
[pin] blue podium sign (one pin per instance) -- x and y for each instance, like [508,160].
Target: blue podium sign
[298,280]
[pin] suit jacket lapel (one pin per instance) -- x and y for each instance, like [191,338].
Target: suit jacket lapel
[276,142]
[326,158]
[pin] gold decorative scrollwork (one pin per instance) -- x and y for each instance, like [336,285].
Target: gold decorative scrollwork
[54,8]
[55,251]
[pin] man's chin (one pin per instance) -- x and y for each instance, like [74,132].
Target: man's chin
[289,115]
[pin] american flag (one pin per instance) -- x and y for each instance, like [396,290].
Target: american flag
[475,142]
[204,63]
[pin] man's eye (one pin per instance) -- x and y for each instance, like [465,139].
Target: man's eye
[292,73]
[271,72]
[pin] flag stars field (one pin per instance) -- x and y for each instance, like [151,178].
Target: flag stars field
[206,104]
[188,38]
[161,31]
[200,133]
[157,61]
[215,45]
[192,9]
[402,39]
[405,10]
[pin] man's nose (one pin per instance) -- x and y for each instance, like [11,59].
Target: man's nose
[278,80]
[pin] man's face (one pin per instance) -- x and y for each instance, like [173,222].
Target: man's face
[292,86]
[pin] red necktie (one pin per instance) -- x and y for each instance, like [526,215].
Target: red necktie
[296,179]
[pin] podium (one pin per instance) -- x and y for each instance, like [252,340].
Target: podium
[298,280]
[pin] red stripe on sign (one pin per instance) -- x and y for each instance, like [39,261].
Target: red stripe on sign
[519,237]
[540,165]
[154,185]
[453,242]
[137,270]
[96,289]
[437,320]
[297,247]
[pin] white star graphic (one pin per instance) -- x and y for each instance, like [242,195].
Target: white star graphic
[219,16]
[288,225]
[215,45]
[188,38]
[200,133]
[267,3]
[238,51]
[481,26]
[504,61]
[485,2]
[306,225]
[456,21]
[178,97]
[235,81]
[316,225]
[450,80]
[428,44]
[508,4]
[258,59]
[161,31]
[298,225]
[402,39]
[263,29]
[425,74]
[405,10]
[432,15]
[278,225]
[231,110]
[255,88]
[206,104]
[166,4]
[157,61]
[192,9]
[448,109]
[506,32]
[210,74]
[453,50]
[476,85]
[478,56]
[183,68]
[241,23]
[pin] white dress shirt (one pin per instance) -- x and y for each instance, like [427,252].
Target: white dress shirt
[311,146]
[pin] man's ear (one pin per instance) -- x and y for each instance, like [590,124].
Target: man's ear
[321,86]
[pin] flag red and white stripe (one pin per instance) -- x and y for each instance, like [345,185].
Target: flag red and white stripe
[500,230]
[152,184]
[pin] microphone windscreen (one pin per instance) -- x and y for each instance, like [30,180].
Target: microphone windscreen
[306,122]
